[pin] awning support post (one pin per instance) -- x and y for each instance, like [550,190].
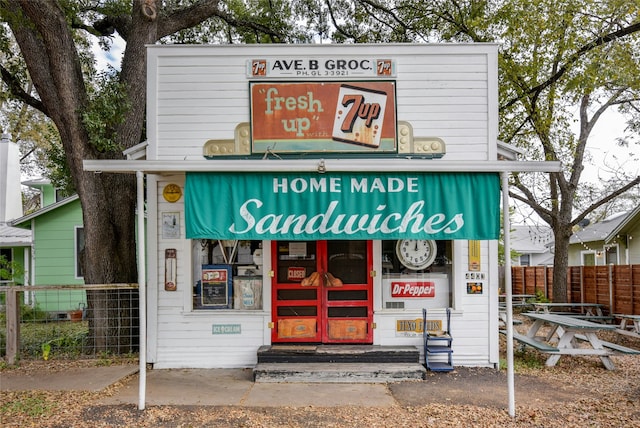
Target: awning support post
[506,227]
[142,291]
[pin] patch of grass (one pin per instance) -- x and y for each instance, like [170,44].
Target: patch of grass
[34,405]
[60,337]
[540,298]
[523,361]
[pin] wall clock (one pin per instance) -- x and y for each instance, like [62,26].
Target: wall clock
[416,254]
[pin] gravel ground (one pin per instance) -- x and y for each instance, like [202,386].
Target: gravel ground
[578,392]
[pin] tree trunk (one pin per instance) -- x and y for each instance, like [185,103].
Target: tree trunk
[560,265]
[108,200]
[110,257]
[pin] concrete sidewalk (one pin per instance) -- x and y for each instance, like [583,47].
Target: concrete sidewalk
[200,387]
[235,387]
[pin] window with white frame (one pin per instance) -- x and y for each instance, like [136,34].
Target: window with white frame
[79,252]
[588,258]
[611,255]
[228,274]
[6,257]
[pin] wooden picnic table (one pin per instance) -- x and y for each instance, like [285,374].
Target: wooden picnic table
[590,309]
[629,325]
[516,299]
[566,329]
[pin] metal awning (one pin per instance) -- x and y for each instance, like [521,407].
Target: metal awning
[319,165]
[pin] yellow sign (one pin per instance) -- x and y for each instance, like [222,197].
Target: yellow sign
[474,255]
[415,326]
[172,192]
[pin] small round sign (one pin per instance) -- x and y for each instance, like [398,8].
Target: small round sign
[172,192]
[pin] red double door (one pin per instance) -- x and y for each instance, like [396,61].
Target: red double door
[322,292]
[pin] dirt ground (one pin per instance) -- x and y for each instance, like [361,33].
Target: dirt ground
[578,392]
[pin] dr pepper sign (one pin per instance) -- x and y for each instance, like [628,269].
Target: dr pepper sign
[420,289]
[323,117]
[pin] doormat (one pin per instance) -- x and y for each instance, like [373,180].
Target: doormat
[297,348]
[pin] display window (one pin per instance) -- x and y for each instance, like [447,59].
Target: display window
[228,275]
[416,274]
[415,256]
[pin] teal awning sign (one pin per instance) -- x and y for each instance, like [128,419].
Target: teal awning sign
[313,206]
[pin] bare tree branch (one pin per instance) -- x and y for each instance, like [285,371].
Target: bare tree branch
[17,91]
[197,13]
[598,41]
[338,26]
[604,200]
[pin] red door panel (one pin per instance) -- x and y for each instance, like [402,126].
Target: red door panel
[322,292]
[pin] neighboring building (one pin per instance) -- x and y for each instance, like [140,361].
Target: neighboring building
[46,243]
[58,242]
[533,245]
[604,242]
[627,236]
[15,243]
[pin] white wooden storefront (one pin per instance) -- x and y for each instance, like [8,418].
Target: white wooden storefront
[200,93]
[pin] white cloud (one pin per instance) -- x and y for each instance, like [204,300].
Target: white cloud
[112,57]
[605,152]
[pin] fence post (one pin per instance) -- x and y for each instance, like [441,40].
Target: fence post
[13,326]
[611,308]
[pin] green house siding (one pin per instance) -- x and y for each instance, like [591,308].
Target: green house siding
[54,251]
[48,195]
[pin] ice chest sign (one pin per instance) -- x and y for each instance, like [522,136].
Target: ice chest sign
[323,117]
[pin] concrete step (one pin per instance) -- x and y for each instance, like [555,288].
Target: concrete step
[296,353]
[338,372]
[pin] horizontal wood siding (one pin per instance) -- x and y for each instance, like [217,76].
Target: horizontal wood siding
[202,94]
[54,258]
[54,242]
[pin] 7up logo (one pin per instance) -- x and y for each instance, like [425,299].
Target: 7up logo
[359,116]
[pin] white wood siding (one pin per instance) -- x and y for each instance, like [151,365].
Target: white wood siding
[197,93]
[200,93]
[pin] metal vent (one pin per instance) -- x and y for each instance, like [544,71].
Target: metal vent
[395,305]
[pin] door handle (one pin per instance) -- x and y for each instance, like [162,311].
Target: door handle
[332,281]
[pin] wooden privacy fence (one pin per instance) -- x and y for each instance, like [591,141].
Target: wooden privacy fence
[615,286]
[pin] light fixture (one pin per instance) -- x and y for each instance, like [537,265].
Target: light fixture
[321,167]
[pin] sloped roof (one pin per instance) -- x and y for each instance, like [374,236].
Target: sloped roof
[629,222]
[598,231]
[535,239]
[14,236]
[44,210]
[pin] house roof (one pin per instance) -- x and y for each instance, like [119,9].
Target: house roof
[48,208]
[37,182]
[629,222]
[531,239]
[508,151]
[14,236]
[598,231]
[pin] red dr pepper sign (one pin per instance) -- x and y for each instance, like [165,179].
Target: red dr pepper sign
[420,289]
[323,116]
